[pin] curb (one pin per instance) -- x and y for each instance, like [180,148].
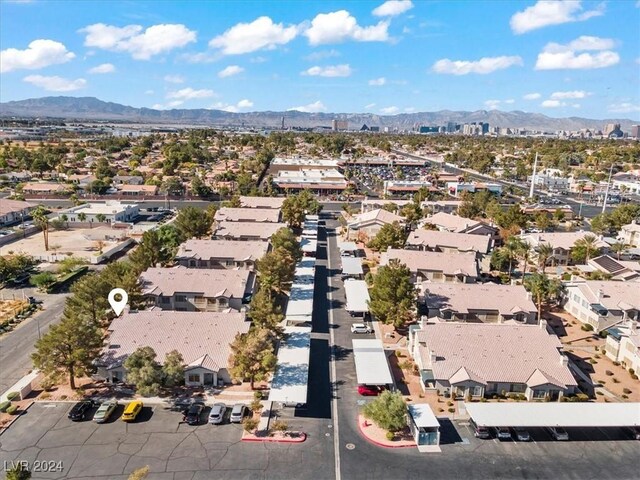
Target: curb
[374,442]
[302,438]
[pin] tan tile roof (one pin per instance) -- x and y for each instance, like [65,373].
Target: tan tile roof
[138,188]
[43,187]
[615,295]
[262,202]
[378,215]
[9,206]
[224,249]
[448,263]
[207,282]
[564,240]
[460,241]
[259,230]
[193,334]
[506,299]
[493,353]
[451,223]
[247,215]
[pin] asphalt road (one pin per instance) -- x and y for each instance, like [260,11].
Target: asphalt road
[17,346]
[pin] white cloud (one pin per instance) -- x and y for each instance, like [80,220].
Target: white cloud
[190,94]
[369,106]
[552,104]
[103,68]
[378,82]
[201,57]
[572,94]
[391,8]
[173,104]
[56,84]
[509,101]
[149,92]
[174,78]
[142,45]
[624,107]
[230,71]
[260,34]
[492,104]
[314,107]
[39,54]
[483,66]
[555,56]
[321,55]
[336,27]
[390,110]
[258,59]
[244,103]
[552,12]
[329,71]
[532,96]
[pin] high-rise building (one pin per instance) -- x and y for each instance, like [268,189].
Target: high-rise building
[339,125]
[451,127]
[610,127]
[635,131]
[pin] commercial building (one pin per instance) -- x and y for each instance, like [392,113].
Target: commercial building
[110,212]
[279,164]
[401,187]
[321,181]
[457,188]
[226,254]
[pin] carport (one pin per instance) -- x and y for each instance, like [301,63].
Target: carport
[372,367]
[423,424]
[289,384]
[554,414]
[352,267]
[357,295]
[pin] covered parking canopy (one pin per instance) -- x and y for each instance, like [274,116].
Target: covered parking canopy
[372,367]
[291,377]
[352,266]
[554,414]
[357,295]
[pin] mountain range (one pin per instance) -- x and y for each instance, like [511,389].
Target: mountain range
[93,109]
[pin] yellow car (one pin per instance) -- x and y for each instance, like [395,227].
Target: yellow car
[131,411]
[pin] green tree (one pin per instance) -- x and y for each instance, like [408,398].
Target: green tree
[68,347]
[43,280]
[18,472]
[624,215]
[199,188]
[296,207]
[143,371]
[82,216]
[585,248]
[156,247]
[412,212]
[601,224]
[285,239]
[252,355]
[545,252]
[510,252]
[275,270]
[543,289]
[101,217]
[233,202]
[393,295]
[390,235]
[387,411]
[542,221]
[40,218]
[173,369]
[173,186]
[265,312]
[192,222]
[558,215]
[618,248]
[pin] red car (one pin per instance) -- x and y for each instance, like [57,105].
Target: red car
[369,390]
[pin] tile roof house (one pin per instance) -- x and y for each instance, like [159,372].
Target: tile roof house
[262,202]
[133,190]
[621,270]
[227,254]
[190,289]
[369,223]
[435,267]
[202,338]
[602,304]
[246,230]
[478,302]
[623,345]
[482,359]
[562,243]
[630,234]
[127,180]
[262,215]
[448,242]
[12,211]
[44,188]
[453,223]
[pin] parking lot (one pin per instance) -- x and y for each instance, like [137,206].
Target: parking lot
[159,439]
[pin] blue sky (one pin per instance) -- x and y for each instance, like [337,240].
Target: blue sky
[568,58]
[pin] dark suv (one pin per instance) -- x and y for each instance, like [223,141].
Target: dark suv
[80,410]
[193,413]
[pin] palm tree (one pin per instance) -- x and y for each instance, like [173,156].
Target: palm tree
[101,217]
[41,219]
[510,251]
[82,216]
[543,289]
[524,254]
[590,245]
[545,252]
[618,248]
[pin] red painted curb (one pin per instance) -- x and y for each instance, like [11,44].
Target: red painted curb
[370,440]
[275,440]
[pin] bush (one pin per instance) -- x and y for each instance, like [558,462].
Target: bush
[449,404]
[592,361]
[452,410]
[634,376]
[279,425]
[405,365]
[257,395]
[609,373]
[603,334]
[587,327]
[626,390]
[45,396]
[632,371]
[441,410]
[63,397]
[47,384]
[4,406]
[256,406]
[12,396]
[249,424]
[615,380]
[12,410]
[399,354]
[390,436]
[617,364]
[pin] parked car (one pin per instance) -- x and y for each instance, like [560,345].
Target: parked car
[192,417]
[522,435]
[34,301]
[558,433]
[502,433]
[480,432]
[370,390]
[634,432]
[131,411]
[360,328]
[216,416]
[104,411]
[238,412]
[80,410]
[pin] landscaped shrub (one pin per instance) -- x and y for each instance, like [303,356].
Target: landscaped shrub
[47,384]
[250,424]
[390,436]
[4,406]
[452,410]
[592,361]
[603,334]
[256,406]
[63,397]
[586,328]
[45,396]
[12,410]
[634,376]
[615,380]
[632,371]
[609,372]
[626,390]
[257,395]
[12,395]
[582,397]
[625,396]
[617,364]
[279,426]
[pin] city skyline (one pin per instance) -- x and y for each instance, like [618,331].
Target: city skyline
[561,59]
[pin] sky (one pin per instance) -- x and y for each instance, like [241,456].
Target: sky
[559,58]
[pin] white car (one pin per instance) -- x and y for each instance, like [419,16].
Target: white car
[217,413]
[360,328]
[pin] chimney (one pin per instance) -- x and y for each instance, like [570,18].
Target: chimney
[564,360]
[543,324]
[432,357]
[599,295]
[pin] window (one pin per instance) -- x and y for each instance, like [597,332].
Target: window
[181,298]
[229,263]
[517,387]
[194,378]
[437,275]
[222,302]
[165,300]
[539,394]
[476,391]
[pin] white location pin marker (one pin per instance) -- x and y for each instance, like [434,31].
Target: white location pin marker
[118,305]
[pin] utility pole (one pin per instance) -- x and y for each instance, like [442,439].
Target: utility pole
[533,177]
[606,192]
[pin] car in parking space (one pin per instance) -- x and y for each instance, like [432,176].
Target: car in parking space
[480,432]
[193,413]
[360,328]
[370,390]
[216,416]
[558,433]
[104,411]
[131,411]
[502,433]
[238,412]
[522,435]
[80,410]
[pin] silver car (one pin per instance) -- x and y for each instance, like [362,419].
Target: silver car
[217,413]
[104,411]
[238,413]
